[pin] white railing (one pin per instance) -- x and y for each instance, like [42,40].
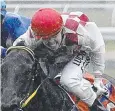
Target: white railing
[73,4]
[59,6]
[108,33]
[68,0]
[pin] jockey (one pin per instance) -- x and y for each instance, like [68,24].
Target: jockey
[83,42]
[12,26]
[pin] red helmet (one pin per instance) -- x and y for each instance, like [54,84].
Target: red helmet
[46,22]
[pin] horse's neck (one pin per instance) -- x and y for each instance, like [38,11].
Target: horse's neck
[53,61]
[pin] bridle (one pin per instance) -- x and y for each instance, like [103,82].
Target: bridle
[29,96]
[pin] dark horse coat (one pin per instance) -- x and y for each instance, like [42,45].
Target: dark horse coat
[21,76]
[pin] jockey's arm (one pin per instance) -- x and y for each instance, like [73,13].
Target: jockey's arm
[97,59]
[94,43]
[98,48]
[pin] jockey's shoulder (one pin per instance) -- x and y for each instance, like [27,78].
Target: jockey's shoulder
[77,14]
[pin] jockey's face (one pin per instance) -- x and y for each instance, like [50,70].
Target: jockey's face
[53,42]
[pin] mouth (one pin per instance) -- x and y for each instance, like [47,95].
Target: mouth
[51,44]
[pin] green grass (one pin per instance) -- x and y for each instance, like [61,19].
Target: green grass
[110,45]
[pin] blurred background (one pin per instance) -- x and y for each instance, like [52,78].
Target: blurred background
[102,12]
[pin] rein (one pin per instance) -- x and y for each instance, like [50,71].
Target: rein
[22,48]
[26,100]
[31,94]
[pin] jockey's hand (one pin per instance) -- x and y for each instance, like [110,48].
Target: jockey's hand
[100,86]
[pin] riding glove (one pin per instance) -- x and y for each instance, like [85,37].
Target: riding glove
[100,86]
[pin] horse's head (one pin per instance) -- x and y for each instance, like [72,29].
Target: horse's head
[16,77]
[17,81]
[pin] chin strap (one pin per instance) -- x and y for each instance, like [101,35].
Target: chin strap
[21,48]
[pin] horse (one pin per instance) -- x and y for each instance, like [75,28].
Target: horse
[25,87]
